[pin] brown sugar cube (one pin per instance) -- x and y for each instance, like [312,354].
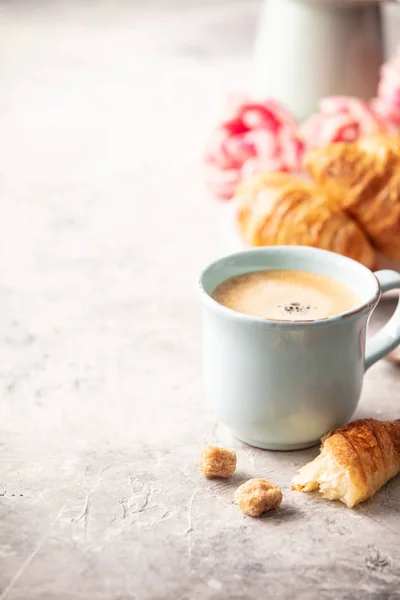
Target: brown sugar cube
[217,462]
[257,496]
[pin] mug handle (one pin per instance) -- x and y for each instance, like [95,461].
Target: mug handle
[388,338]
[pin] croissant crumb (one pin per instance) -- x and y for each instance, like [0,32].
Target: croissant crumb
[217,462]
[258,496]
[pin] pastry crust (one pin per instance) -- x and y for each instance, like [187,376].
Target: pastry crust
[365,178]
[279,208]
[354,463]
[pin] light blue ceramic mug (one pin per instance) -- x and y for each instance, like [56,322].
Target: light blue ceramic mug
[282,385]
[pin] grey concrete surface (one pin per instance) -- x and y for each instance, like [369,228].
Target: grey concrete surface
[104,224]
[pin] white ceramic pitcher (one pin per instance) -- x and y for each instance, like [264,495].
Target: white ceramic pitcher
[306,50]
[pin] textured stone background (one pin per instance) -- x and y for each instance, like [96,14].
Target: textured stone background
[104,225]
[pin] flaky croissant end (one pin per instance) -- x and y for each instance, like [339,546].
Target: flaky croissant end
[354,463]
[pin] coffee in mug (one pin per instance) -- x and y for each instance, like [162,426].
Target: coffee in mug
[286,295]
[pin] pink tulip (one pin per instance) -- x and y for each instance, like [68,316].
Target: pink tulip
[256,136]
[341,119]
[387,103]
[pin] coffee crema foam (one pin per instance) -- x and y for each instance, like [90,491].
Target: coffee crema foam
[286,295]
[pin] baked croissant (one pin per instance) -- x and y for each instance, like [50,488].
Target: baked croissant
[354,463]
[279,208]
[365,177]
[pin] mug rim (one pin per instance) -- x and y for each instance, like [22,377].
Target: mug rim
[366,306]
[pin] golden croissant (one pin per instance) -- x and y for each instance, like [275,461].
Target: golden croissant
[279,208]
[365,178]
[354,463]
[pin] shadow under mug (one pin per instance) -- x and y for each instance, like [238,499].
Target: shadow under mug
[281,385]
